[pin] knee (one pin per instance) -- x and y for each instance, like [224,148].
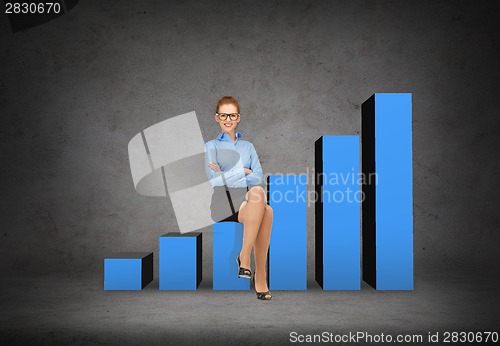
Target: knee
[257,189]
[257,194]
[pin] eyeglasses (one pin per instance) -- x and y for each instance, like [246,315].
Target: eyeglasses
[232,116]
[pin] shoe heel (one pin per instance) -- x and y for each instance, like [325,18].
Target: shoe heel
[243,272]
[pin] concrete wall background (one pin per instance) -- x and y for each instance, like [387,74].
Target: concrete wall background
[75,90]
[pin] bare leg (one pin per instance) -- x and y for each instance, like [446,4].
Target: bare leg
[261,247]
[251,215]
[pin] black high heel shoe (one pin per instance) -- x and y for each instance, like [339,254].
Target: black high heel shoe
[243,272]
[262,295]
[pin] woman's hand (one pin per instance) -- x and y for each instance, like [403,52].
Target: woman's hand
[247,170]
[214,166]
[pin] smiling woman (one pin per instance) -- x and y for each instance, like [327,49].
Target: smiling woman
[233,167]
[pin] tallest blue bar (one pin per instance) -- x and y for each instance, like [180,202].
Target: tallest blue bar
[387,208]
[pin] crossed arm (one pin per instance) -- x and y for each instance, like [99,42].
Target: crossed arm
[253,174]
[215,167]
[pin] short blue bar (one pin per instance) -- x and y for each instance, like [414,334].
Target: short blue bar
[180,260]
[227,241]
[287,195]
[128,271]
[341,198]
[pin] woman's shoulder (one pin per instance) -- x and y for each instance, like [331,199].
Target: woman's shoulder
[211,143]
[248,143]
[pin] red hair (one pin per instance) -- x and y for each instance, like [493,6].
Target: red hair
[224,100]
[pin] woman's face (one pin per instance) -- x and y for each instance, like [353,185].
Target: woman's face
[227,125]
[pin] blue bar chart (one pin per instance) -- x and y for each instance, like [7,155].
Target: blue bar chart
[227,240]
[387,209]
[337,209]
[287,257]
[128,271]
[180,261]
[363,206]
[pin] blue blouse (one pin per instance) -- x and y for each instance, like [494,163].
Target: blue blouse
[232,158]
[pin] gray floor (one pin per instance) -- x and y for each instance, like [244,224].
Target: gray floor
[77,310]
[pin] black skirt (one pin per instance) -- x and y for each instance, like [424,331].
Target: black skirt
[226,202]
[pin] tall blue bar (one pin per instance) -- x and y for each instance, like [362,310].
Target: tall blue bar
[388,205]
[287,258]
[337,231]
[227,241]
[128,270]
[180,260]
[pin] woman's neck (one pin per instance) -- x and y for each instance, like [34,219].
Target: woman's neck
[232,135]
